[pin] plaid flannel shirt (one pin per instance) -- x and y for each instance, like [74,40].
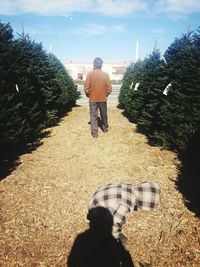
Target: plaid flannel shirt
[120,199]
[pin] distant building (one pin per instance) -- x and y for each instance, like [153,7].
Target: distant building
[79,70]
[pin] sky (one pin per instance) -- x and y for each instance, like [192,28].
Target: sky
[80,30]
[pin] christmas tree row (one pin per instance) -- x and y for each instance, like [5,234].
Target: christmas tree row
[163,95]
[35,88]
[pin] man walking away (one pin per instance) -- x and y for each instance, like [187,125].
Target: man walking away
[97,87]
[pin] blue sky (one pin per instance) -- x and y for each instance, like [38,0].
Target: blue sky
[80,30]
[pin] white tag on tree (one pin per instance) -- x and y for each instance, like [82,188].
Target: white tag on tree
[136,86]
[131,85]
[165,92]
[17,88]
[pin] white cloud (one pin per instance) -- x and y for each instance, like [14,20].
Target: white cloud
[177,17]
[42,7]
[120,7]
[178,6]
[67,7]
[118,28]
[158,31]
[106,7]
[96,29]
[89,29]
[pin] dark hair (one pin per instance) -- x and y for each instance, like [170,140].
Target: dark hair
[98,62]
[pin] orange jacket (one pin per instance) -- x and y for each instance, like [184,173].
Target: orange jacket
[97,86]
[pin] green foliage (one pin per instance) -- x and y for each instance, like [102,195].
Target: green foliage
[68,91]
[129,98]
[152,83]
[23,92]
[34,90]
[168,120]
[141,105]
[179,115]
[6,33]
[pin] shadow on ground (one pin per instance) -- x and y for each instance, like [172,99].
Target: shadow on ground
[96,247]
[10,155]
[188,182]
[126,114]
[100,124]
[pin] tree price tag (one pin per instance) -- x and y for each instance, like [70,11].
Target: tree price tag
[165,92]
[17,88]
[136,86]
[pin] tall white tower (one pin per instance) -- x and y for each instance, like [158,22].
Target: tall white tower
[51,48]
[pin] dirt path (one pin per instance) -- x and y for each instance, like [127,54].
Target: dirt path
[43,201]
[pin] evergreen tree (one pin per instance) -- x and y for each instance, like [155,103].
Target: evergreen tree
[33,90]
[130,93]
[126,83]
[68,94]
[6,38]
[171,120]
[33,93]
[13,112]
[153,81]
[142,105]
[34,80]
[179,116]
[196,82]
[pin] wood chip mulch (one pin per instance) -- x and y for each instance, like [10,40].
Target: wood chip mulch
[44,200]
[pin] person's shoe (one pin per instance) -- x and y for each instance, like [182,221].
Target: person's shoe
[94,135]
[123,239]
[105,130]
